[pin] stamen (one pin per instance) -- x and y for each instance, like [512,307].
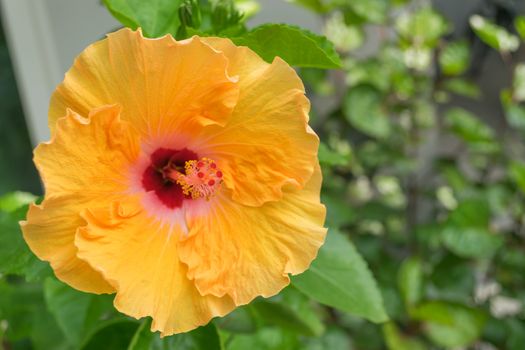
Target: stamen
[200,180]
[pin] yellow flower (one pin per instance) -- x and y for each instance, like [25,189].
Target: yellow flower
[180,175]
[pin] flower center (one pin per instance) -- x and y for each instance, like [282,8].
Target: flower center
[200,178]
[175,175]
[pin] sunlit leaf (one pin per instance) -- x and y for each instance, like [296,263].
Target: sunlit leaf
[296,46]
[374,11]
[344,37]
[519,23]
[339,277]
[314,5]
[425,26]
[156,18]
[455,58]
[493,35]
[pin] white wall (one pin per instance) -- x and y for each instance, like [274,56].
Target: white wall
[44,36]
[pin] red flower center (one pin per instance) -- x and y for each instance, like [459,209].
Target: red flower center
[176,175]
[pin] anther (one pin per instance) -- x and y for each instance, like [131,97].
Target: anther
[201,179]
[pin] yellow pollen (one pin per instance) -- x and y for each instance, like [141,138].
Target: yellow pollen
[202,178]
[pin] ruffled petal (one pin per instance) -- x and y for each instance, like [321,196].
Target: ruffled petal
[84,163]
[139,257]
[267,142]
[245,252]
[163,85]
[50,231]
[88,156]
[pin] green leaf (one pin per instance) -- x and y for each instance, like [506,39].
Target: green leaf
[519,24]
[156,18]
[450,325]
[517,174]
[289,310]
[467,231]
[368,72]
[76,313]
[493,35]
[111,334]
[265,339]
[462,87]
[340,278]
[15,256]
[362,108]
[410,281]
[471,242]
[469,128]
[515,115]
[455,58]
[202,338]
[248,8]
[339,212]
[518,86]
[472,212]
[333,338]
[516,339]
[514,112]
[395,340]
[313,5]
[22,306]
[374,11]
[240,320]
[344,37]
[453,278]
[330,157]
[11,201]
[143,337]
[424,27]
[296,46]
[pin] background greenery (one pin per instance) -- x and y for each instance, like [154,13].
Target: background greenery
[424,184]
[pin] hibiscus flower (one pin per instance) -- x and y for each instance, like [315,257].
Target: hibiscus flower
[180,175]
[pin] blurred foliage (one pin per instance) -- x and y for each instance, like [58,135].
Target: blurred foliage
[425,190]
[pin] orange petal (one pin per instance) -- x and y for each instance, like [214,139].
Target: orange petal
[162,84]
[88,156]
[84,163]
[267,142]
[245,252]
[139,257]
[50,231]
